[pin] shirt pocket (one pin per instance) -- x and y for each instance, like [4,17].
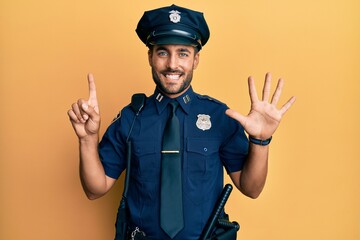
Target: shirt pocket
[146,159]
[202,156]
[202,168]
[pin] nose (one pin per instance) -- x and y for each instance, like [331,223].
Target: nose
[172,62]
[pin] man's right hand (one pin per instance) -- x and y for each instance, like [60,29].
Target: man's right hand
[85,115]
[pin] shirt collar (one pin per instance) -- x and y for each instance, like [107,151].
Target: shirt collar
[184,100]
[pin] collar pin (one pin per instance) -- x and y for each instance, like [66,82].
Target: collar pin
[186,99]
[159,97]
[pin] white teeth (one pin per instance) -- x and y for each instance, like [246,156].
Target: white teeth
[173,77]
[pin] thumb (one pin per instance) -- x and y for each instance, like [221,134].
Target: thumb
[237,116]
[90,112]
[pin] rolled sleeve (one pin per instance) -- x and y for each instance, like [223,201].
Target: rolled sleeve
[235,150]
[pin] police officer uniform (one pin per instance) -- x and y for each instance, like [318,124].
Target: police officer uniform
[210,140]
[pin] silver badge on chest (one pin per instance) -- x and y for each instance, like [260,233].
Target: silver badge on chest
[175,16]
[203,122]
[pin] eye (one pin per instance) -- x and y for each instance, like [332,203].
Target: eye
[162,53]
[182,54]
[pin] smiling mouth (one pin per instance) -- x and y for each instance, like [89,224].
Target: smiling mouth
[173,76]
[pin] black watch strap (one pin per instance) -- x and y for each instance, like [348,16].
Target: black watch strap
[260,141]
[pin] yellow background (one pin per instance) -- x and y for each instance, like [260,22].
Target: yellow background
[48,47]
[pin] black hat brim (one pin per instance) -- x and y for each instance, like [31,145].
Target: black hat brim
[176,40]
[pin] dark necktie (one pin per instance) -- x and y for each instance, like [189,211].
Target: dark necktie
[171,208]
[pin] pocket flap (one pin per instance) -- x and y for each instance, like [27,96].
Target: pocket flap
[203,146]
[144,147]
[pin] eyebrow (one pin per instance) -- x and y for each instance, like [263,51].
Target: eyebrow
[184,50]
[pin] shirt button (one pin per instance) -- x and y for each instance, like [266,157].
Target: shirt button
[205,149]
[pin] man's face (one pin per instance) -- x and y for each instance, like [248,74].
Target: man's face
[172,67]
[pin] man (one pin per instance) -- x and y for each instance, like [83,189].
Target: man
[211,136]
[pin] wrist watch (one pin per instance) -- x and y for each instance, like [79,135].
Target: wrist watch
[260,141]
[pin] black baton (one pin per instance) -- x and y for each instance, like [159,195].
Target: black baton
[219,206]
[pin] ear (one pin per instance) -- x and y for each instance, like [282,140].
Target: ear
[149,57]
[196,60]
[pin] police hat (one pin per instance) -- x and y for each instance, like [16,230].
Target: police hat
[173,25]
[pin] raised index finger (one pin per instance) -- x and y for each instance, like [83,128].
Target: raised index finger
[92,89]
[92,93]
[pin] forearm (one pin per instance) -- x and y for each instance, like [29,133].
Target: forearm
[92,173]
[253,175]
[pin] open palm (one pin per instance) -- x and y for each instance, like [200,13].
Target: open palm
[264,117]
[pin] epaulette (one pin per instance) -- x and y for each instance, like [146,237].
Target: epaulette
[206,97]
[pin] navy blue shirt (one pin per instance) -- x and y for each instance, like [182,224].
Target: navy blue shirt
[210,141]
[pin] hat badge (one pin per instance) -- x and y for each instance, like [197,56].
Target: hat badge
[175,16]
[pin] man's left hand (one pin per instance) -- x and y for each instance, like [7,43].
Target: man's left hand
[264,117]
